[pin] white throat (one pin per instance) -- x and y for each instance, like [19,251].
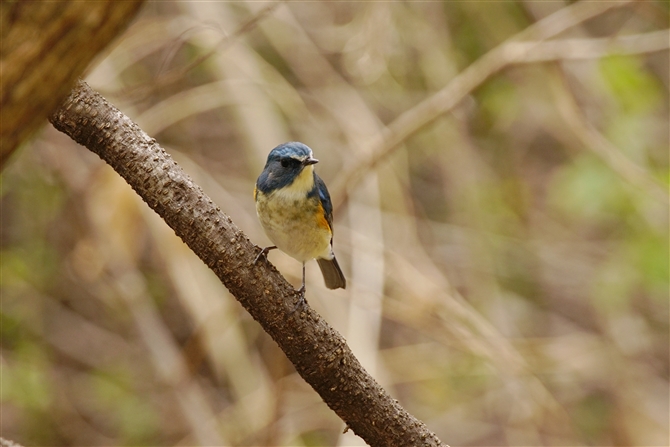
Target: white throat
[301,185]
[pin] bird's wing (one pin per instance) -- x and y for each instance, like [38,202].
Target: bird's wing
[324,197]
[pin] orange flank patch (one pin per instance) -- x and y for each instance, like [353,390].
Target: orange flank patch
[321,218]
[255,192]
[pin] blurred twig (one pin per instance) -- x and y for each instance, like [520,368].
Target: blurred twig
[7,443]
[225,43]
[592,139]
[171,368]
[318,352]
[530,52]
[163,80]
[526,46]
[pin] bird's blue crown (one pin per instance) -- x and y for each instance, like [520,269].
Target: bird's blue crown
[290,149]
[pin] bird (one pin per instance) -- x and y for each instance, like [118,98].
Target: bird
[296,213]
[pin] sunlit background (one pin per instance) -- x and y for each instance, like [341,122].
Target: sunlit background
[507,262]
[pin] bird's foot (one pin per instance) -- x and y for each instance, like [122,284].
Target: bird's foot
[301,299]
[264,253]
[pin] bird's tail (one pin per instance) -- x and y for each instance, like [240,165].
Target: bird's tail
[332,274]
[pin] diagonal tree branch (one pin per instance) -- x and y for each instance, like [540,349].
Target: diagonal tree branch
[318,352]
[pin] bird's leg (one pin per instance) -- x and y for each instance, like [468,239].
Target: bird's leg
[264,253]
[301,292]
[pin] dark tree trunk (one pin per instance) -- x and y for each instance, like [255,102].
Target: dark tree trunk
[45,47]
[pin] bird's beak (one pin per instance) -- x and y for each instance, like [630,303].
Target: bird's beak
[309,161]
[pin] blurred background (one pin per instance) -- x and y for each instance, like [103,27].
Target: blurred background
[507,261]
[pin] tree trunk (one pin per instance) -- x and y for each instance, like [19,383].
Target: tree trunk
[45,47]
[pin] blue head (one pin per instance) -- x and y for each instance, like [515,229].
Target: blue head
[285,163]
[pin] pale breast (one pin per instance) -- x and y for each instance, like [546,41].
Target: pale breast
[291,224]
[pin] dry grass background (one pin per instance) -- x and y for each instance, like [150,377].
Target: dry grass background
[507,260]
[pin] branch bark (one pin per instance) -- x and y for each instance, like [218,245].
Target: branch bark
[318,352]
[46,46]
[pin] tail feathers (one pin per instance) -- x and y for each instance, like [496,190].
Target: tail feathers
[332,274]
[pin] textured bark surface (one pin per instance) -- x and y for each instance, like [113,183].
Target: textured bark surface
[45,47]
[318,352]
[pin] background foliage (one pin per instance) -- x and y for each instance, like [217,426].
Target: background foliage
[507,263]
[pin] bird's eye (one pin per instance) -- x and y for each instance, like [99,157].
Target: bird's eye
[284,163]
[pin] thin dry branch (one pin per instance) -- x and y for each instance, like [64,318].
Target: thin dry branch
[593,48]
[318,352]
[525,47]
[7,443]
[170,77]
[595,141]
